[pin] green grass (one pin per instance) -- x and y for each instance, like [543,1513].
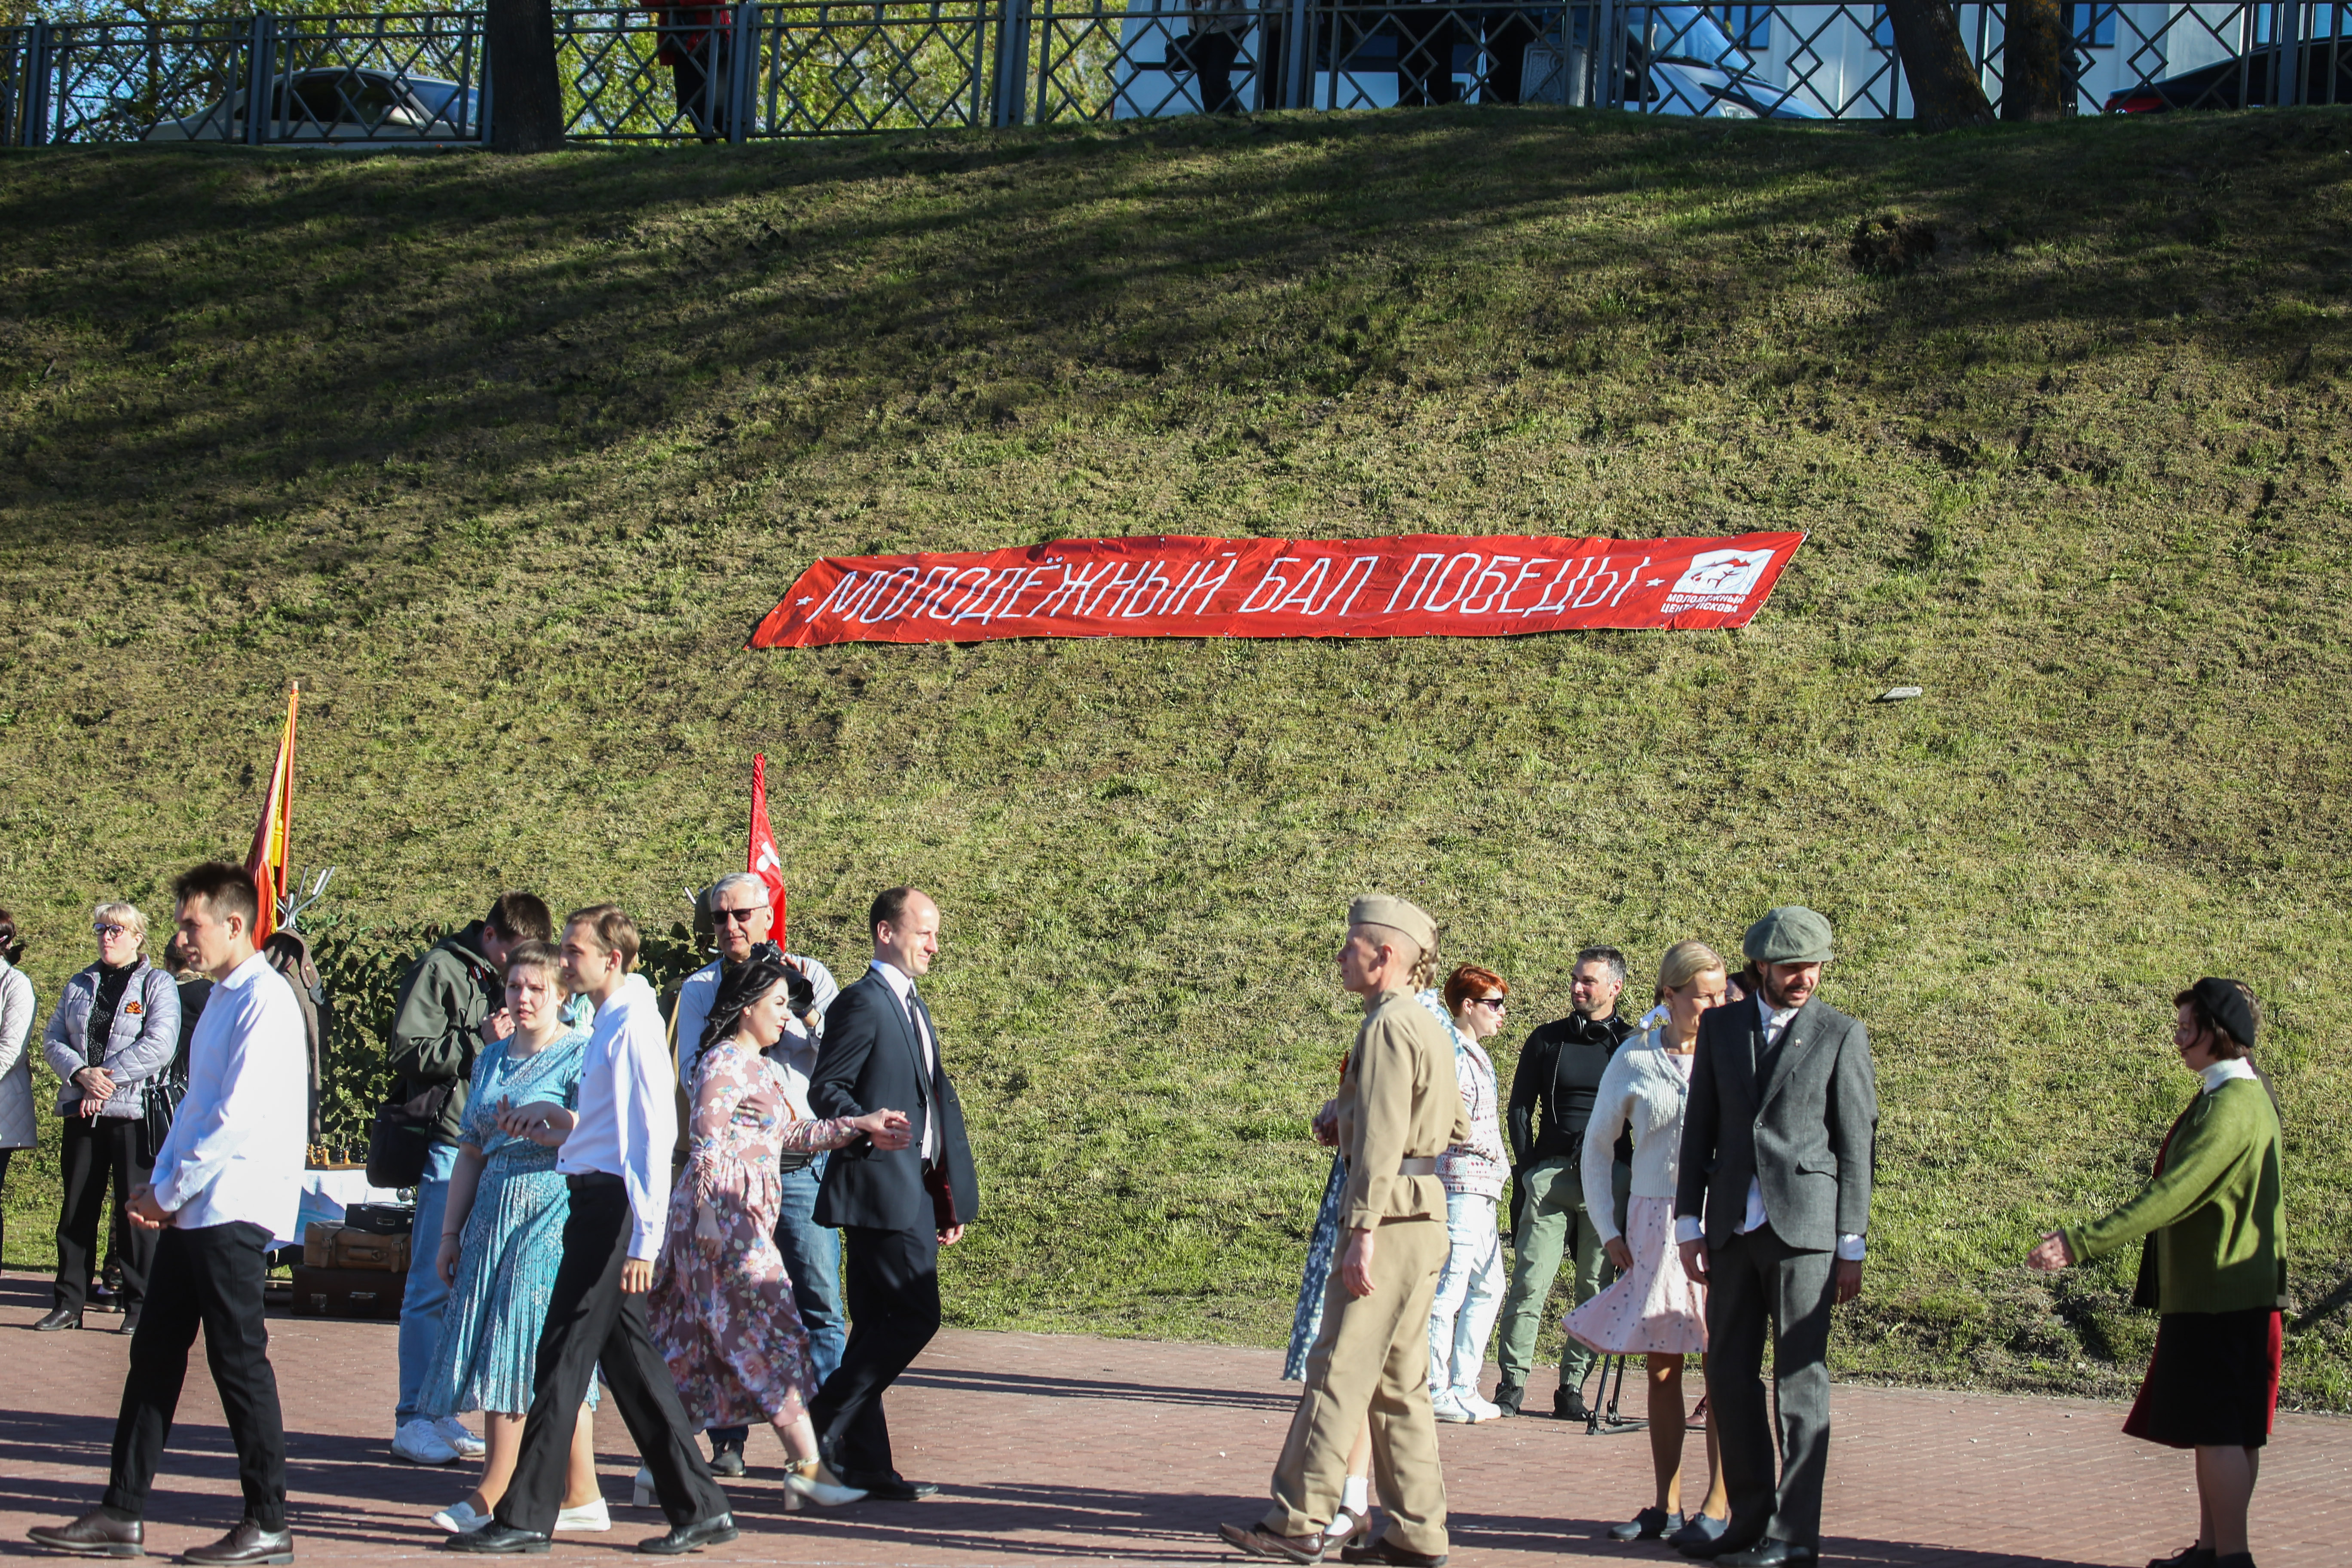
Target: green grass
[503,460]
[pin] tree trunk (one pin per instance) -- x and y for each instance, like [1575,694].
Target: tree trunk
[1944,91]
[2033,61]
[526,99]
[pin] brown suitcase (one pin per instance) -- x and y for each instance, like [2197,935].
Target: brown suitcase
[347,1292]
[326,1245]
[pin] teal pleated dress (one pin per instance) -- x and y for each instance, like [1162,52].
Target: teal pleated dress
[513,1240]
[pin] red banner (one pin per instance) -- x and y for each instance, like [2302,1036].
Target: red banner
[1416,585]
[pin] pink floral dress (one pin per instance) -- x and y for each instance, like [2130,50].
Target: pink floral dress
[721,1307]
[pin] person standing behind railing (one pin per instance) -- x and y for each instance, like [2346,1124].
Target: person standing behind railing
[1212,47]
[17,1012]
[692,41]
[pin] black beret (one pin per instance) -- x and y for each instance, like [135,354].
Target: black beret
[2229,1003]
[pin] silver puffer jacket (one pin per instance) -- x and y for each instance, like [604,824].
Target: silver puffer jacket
[144,1036]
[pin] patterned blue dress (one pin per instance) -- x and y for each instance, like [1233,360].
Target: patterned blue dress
[513,1240]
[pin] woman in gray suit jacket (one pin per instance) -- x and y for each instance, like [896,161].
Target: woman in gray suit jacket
[115,1030]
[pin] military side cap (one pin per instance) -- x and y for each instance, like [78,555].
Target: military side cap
[1789,934]
[1380,910]
[2230,1003]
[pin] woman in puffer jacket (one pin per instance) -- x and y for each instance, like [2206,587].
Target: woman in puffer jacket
[17,1015]
[115,1030]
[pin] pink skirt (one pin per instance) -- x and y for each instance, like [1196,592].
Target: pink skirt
[1653,1308]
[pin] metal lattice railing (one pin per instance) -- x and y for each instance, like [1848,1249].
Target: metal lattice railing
[764,69]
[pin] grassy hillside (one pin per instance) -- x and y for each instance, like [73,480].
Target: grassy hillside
[502,461]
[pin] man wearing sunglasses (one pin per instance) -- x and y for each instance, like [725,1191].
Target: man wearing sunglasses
[743,922]
[1551,1099]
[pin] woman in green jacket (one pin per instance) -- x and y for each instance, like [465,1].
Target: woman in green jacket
[2213,1216]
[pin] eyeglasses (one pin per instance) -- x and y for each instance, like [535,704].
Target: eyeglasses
[1496,1003]
[732,916]
[106,930]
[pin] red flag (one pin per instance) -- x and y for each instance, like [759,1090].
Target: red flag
[274,835]
[763,861]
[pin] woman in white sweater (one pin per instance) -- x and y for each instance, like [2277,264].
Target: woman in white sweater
[17,1129]
[1654,1309]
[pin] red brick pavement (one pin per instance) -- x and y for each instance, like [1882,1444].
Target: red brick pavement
[1055,1448]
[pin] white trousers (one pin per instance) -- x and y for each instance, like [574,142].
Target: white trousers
[1469,1295]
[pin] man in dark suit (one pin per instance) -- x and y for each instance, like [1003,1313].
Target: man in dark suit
[1771,1209]
[897,1207]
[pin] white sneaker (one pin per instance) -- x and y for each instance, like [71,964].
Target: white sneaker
[1445,1407]
[454,1432]
[1480,1409]
[417,1443]
[459,1519]
[588,1516]
[641,1490]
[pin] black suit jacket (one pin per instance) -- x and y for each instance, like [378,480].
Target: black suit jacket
[1805,1130]
[871,1060]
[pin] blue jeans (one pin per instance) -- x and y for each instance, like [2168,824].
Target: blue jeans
[813,1259]
[425,1295]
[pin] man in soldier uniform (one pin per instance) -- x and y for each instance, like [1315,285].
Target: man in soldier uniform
[1397,1109]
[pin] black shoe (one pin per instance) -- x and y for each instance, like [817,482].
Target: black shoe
[1722,1545]
[727,1458]
[59,1318]
[1507,1396]
[1698,1529]
[2191,1556]
[716,1530]
[1567,1405]
[130,1321]
[500,1540]
[1647,1525]
[1770,1554]
[247,1546]
[92,1535]
[2234,1560]
[887,1486]
[1386,1551]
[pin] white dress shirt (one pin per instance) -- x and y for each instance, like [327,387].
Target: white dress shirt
[702,989]
[1687,1227]
[902,986]
[234,1153]
[628,1111]
[2221,1073]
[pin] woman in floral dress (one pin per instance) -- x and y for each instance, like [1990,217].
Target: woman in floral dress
[722,1308]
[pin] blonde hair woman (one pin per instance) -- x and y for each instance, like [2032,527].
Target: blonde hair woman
[1654,1310]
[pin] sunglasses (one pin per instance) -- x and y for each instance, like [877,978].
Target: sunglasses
[106,930]
[1499,1004]
[732,916]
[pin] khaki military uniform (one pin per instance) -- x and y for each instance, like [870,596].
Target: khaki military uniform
[1399,1108]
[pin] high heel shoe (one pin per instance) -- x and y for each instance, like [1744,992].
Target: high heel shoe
[808,1480]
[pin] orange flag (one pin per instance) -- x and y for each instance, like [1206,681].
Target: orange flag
[763,861]
[274,836]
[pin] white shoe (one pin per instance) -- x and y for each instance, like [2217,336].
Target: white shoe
[1480,1409]
[459,1519]
[1445,1407]
[452,1431]
[417,1443]
[588,1516]
[819,1486]
[641,1490]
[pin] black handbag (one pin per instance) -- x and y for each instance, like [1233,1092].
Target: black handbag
[164,1093]
[402,1138]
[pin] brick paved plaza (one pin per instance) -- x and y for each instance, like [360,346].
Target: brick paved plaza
[1053,1447]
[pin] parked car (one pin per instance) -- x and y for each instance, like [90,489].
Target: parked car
[1688,65]
[342,103]
[2327,78]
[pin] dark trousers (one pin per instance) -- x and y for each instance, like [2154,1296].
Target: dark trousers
[893,1285]
[210,1279]
[1751,1279]
[1212,55]
[4,1203]
[591,1321]
[699,76]
[90,1152]
[811,1254]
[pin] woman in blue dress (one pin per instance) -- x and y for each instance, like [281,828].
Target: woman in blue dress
[502,1238]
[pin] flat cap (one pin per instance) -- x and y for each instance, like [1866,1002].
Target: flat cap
[2229,1003]
[1789,934]
[1380,910]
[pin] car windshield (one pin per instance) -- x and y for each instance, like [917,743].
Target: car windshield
[1689,33]
[445,100]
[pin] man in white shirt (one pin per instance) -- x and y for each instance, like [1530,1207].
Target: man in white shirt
[742,920]
[227,1180]
[1772,1208]
[617,1163]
